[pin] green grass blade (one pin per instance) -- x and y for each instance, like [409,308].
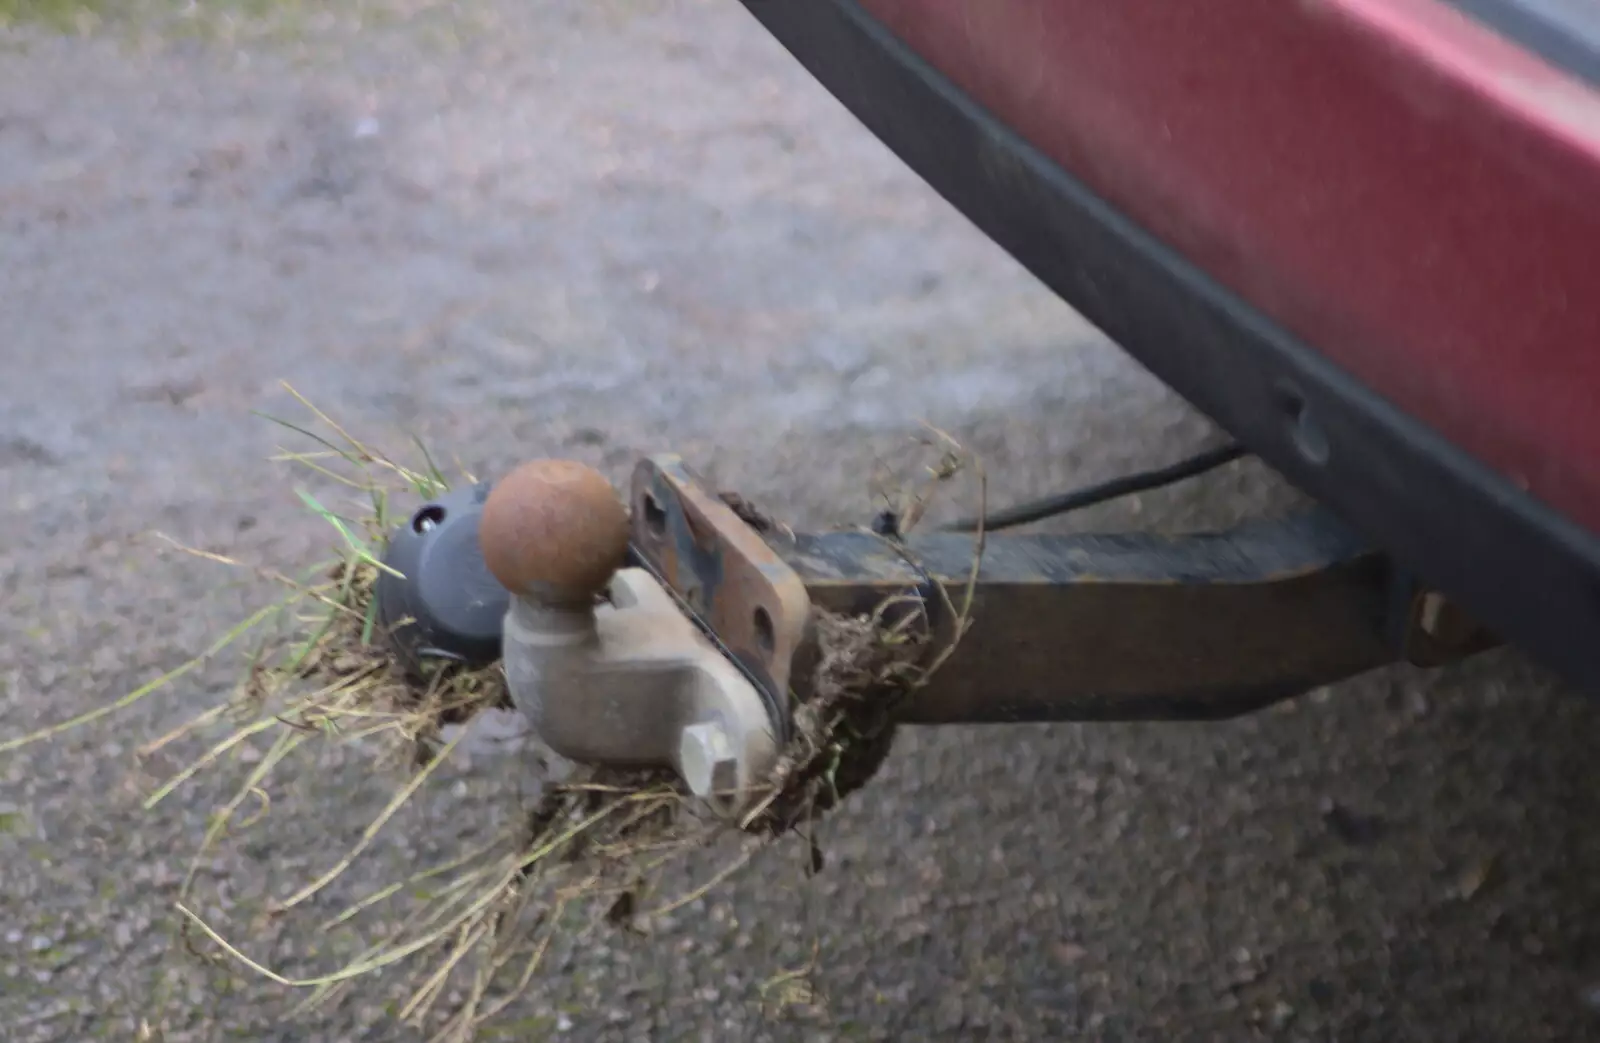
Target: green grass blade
[370,621]
[436,479]
[158,683]
[355,542]
[297,429]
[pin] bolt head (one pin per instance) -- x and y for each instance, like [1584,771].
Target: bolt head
[707,760]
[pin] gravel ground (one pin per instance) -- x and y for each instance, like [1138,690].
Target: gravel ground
[603,229]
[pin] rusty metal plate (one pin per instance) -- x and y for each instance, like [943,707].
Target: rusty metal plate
[745,597]
[1439,631]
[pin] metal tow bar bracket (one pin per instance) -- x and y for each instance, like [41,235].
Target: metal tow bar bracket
[1096,627]
[736,588]
[678,634]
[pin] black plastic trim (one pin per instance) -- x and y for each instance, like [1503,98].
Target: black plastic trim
[1520,568]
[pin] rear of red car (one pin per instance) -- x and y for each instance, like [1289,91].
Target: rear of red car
[1362,235]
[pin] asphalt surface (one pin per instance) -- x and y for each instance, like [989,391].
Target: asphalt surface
[600,230]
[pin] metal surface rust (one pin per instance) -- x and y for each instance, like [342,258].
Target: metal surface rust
[735,585]
[1438,631]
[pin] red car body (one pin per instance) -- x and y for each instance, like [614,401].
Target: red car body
[1394,203]
[1389,179]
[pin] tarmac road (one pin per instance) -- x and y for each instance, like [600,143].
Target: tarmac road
[600,230]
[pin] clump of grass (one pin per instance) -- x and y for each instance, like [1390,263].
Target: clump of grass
[870,666]
[591,852]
